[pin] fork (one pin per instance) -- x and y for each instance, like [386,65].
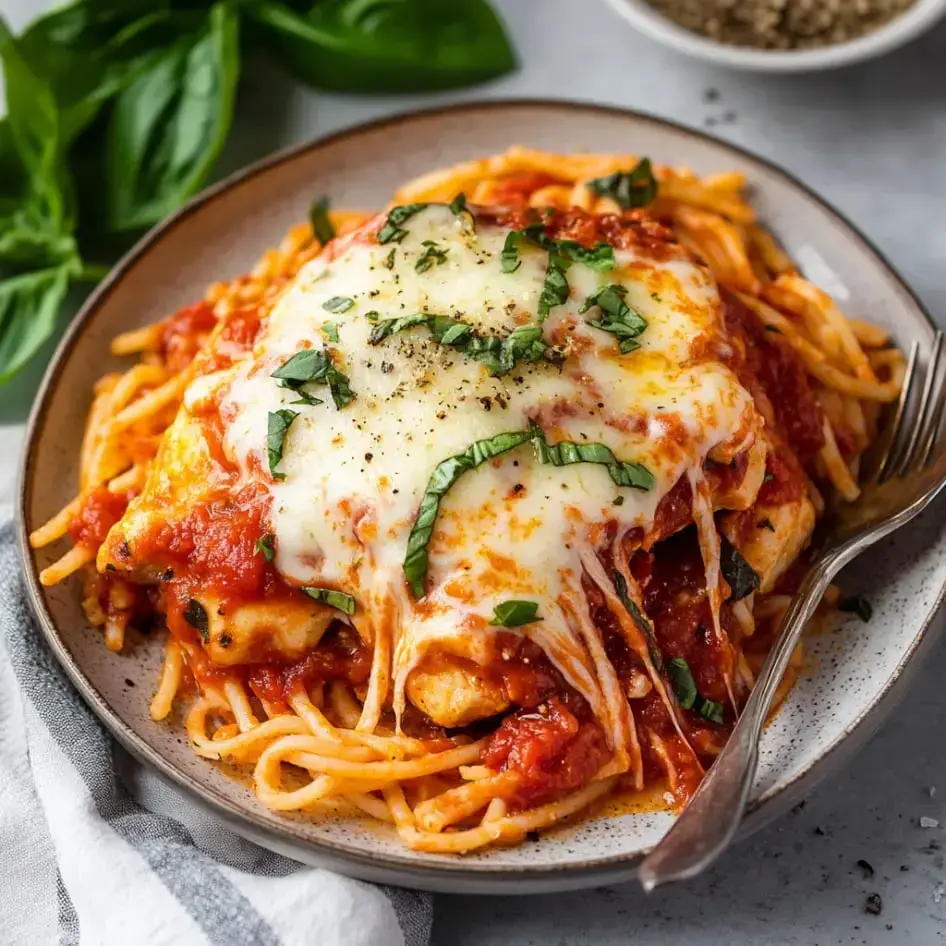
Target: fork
[908,471]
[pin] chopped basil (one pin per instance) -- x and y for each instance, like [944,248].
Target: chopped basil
[265,547]
[713,711]
[443,477]
[684,685]
[634,188]
[432,254]
[509,258]
[646,628]
[389,259]
[768,478]
[330,331]
[562,253]
[458,204]
[334,599]
[306,400]
[499,355]
[321,223]
[565,453]
[859,606]
[338,304]
[738,573]
[765,524]
[278,427]
[391,232]
[196,616]
[555,288]
[618,500]
[515,613]
[311,366]
[620,319]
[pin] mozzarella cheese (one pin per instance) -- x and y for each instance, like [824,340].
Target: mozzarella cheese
[512,528]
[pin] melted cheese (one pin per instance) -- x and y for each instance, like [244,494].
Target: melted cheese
[512,528]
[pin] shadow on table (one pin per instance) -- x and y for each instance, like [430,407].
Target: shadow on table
[804,880]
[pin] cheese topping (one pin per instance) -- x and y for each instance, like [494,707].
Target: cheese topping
[511,528]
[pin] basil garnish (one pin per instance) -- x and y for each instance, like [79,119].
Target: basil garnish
[509,258]
[334,599]
[321,224]
[338,304]
[196,616]
[684,687]
[278,427]
[634,188]
[458,204]
[515,613]
[432,254]
[391,231]
[265,546]
[619,319]
[311,366]
[330,330]
[443,477]
[859,606]
[555,288]
[620,586]
[499,355]
[565,453]
[738,573]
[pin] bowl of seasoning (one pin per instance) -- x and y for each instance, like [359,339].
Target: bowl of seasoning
[782,35]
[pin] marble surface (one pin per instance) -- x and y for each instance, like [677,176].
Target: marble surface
[872,139]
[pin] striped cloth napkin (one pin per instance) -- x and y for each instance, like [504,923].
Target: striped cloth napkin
[94,849]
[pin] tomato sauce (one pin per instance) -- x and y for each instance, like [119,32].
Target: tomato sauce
[100,510]
[185,332]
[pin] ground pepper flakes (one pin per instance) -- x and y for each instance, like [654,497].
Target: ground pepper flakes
[782,24]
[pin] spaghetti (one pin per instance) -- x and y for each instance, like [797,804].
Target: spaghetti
[446,646]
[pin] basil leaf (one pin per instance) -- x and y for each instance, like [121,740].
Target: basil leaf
[565,453]
[334,599]
[432,254]
[634,188]
[392,231]
[386,46]
[196,616]
[338,304]
[310,366]
[515,613]
[738,573]
[29,305]
[499,355]
[168,126]
[859,606]
[322,228]
[713,711]
[645,627]
[330,331]
[683,684]
[389,259]
[620,319]
[458,204]
[509,258]
[306,399]
[555,288]
[278,426]
[443,477]
[265,546]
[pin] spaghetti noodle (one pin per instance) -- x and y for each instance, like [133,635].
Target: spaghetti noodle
[637,334]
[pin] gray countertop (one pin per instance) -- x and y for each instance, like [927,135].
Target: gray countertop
[872,140]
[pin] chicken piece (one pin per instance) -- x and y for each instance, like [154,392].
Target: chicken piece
[453,694]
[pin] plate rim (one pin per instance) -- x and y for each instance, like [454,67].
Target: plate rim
[403,868]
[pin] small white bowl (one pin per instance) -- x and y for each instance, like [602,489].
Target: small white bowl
[908,25]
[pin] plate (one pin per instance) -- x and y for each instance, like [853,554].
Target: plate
[856,672]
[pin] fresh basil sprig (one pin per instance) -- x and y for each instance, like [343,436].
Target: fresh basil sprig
[684,687]
[565,453]
[499,355]
[334,599]
[629,189]
[513,613]
[441,480]
[619,319]
[311,366]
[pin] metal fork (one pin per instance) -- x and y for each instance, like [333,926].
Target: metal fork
[909,470]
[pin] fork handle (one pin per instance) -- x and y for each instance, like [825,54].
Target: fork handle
[709,822]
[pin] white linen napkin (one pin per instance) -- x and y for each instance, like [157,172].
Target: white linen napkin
[96,851]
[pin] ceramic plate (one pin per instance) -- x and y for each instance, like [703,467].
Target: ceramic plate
[855,673]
